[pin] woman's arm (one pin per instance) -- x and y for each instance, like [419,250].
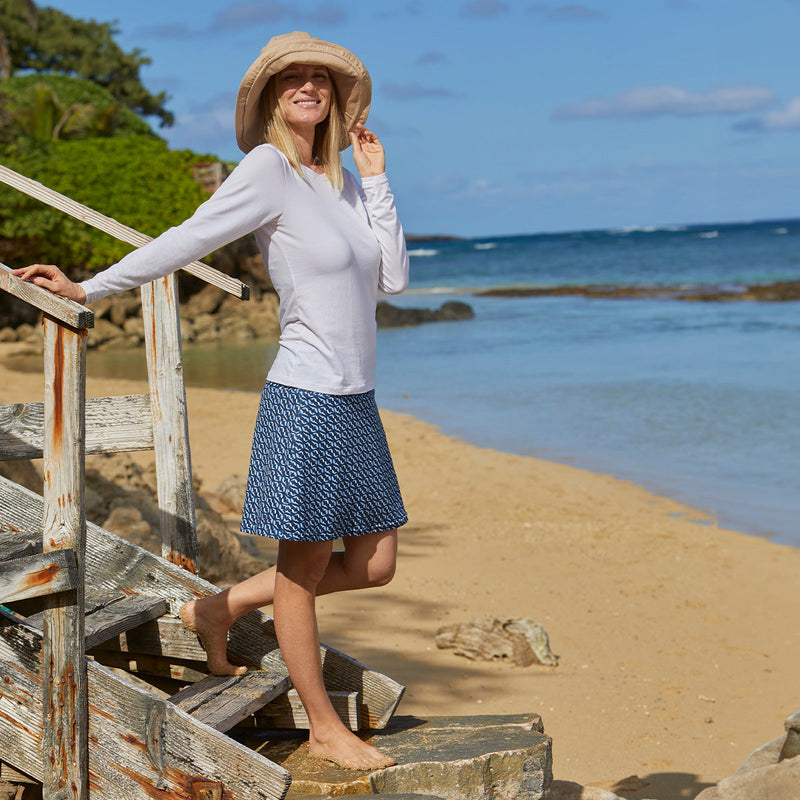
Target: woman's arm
[370,160]
[251,196]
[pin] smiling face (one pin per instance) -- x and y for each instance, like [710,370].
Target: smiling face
[304,95]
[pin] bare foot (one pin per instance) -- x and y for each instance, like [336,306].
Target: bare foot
[214,639]
[348,751]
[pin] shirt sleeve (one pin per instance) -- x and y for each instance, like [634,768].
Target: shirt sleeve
[379,202]
[252,196]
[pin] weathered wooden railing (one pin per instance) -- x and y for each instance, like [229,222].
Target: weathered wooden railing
[58,572]
[56,430]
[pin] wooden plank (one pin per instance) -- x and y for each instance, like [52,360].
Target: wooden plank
[287,712]
[122,616]
[116,562]
[157,666]
[113,425]
[15,543]
[37,575]
[112,619]
[65,741]
[8,773]
[67,311]
[109,225]
[222,701]
[142,748]
[170,427]
[165,636]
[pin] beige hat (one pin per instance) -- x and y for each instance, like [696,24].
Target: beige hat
[350,77]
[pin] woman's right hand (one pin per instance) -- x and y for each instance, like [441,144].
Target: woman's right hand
[50,277]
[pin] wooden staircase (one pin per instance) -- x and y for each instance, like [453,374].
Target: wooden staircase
[103,692]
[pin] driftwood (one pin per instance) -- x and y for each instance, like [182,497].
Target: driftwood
[521,641]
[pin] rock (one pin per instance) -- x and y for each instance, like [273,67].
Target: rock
[127,522]
[102,332]
[791,747]
[521,641]
[206,301]
[456,758]
[770,782]
[134,326]
[771,772]
[222,559]
[8,334]
[567,790]
[231,491]
[389,316]
[770,753]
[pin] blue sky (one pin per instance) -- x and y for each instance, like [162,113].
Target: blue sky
[503,117]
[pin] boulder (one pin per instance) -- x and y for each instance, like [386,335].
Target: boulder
[231,492]
[521,641]
[456,758]
[772,772]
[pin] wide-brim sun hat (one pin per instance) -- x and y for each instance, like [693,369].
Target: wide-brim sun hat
[349,76]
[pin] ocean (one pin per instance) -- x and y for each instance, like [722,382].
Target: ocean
[695,400]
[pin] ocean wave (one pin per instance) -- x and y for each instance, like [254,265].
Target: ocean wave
[423,252]
[648,229]
[780,231]
[708,235]
[485,245]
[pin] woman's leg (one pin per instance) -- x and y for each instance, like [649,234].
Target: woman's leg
[367,560]
[301,570]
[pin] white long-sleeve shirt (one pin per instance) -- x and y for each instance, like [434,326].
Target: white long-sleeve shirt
[328,253]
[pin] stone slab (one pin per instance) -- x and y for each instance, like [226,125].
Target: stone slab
[454,758]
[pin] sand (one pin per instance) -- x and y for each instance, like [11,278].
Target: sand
[677,641]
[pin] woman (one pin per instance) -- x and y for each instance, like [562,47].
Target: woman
[320,468]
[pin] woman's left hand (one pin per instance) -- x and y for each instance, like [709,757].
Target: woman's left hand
[367,152]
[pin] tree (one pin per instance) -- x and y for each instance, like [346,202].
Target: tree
[48,40]
[18,24]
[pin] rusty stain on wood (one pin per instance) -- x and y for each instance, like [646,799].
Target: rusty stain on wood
[58,388]
[42,577]
[183,786]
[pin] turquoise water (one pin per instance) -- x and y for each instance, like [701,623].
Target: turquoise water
[698,401]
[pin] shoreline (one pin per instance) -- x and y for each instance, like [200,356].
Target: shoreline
[670,634]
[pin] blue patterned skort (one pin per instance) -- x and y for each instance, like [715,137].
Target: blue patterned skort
[320,468]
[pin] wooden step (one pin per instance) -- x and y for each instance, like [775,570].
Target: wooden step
[287,712]
[105,620]
[141,748]
[222,701]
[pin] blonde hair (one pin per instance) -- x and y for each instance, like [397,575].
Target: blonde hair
[327,135]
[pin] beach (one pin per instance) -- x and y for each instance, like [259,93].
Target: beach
[677,649]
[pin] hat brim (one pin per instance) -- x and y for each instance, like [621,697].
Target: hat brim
[349,76]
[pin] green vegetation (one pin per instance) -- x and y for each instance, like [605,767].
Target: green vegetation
[46,107]
[136,180]
[71,107]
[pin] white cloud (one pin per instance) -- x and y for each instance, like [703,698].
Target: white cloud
[786,120]
[651,101]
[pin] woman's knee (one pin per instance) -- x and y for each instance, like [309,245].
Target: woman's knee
[304,563]
[371,560]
